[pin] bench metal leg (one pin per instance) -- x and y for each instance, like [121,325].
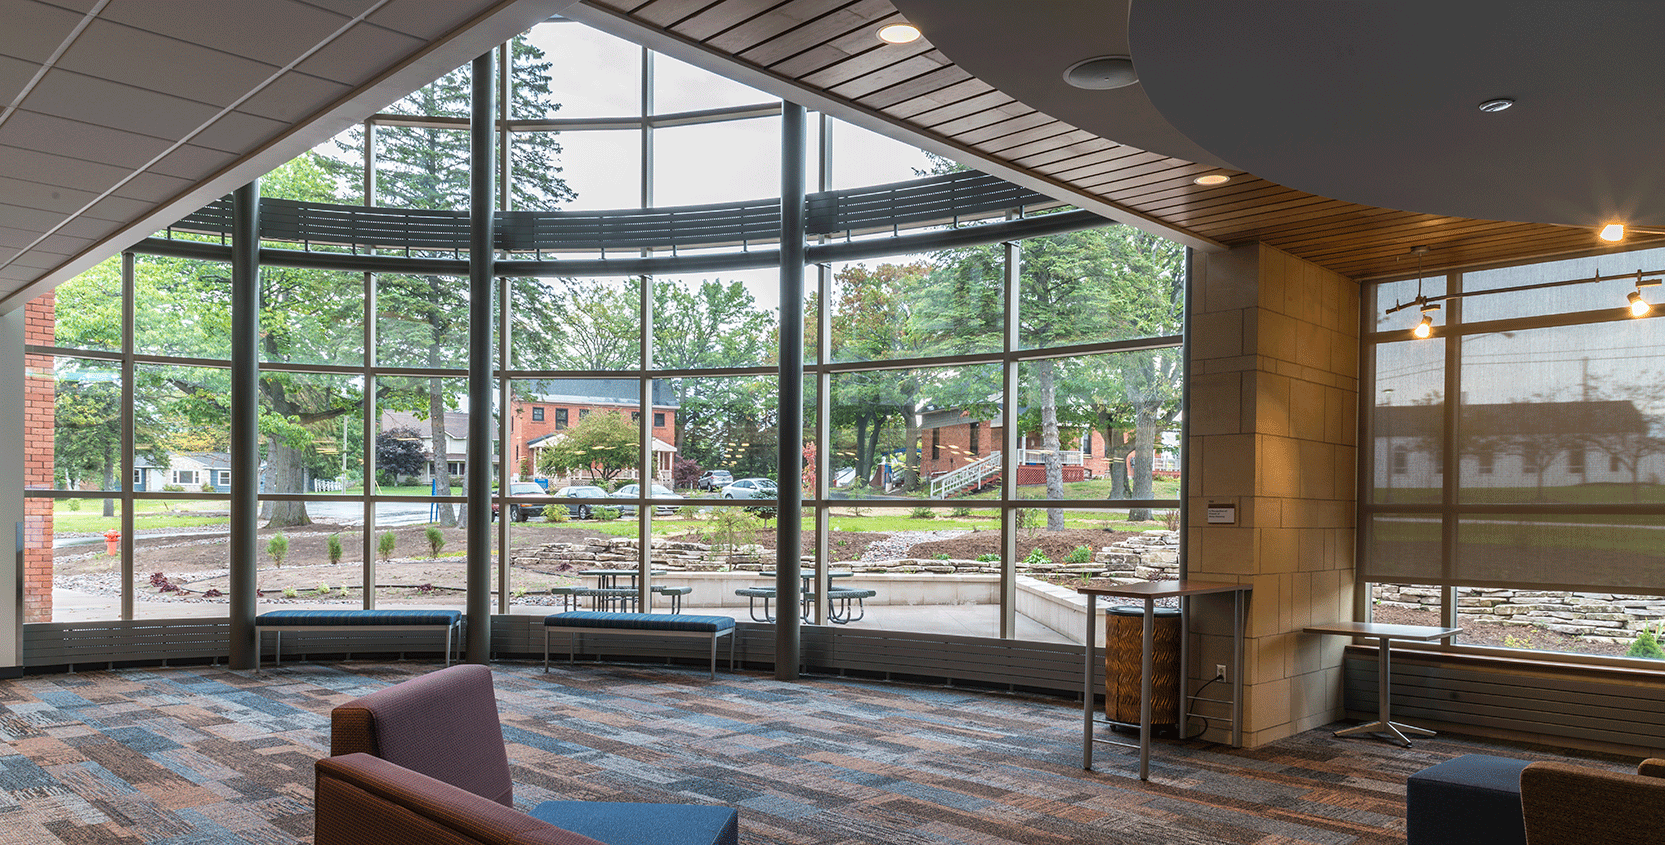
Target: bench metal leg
[546,651]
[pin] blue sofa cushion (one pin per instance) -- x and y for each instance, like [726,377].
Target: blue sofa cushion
[1466,800]
[359,617]
[639,621]
[628,823]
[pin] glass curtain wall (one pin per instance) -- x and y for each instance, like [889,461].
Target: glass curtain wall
[947,392]
[1513,482]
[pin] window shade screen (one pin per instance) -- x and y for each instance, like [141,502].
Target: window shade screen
[1560,455]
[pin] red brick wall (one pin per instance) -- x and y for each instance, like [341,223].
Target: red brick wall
[523,429]
[38,462]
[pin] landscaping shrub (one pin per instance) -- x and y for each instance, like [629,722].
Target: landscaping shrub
[605,512]
[384,546]
[1646,646]
[1170,520]
[334,544]
[278,548]
[1079,554]
[556,513]
[989,558]
[922,513]
[763,512]
[436,540]
[960,511]
[173,488]
[1037,558]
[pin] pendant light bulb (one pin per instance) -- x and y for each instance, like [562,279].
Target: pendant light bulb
[1639,307]
[1424,329]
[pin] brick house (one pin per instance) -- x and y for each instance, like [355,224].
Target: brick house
[548,407]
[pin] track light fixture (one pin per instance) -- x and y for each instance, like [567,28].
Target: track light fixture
[1615,232]
[1424,328]
[1639,307]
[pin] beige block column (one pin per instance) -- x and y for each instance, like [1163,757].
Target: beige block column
[1273,431]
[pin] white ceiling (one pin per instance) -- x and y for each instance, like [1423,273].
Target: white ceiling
[117,117]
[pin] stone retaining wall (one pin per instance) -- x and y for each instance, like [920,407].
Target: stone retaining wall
[1150,556]
[1596,617]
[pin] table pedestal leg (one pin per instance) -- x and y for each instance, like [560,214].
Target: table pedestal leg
[1087,686]
[1145,660]
[1384,724]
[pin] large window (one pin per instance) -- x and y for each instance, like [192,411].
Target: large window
[980,420]
[1515,474]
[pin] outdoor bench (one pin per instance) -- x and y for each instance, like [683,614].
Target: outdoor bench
[577,622]
[840,597]
[278,621]
[752,594]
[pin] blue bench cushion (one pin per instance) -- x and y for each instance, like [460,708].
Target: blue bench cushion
[1467,799]
[625,823]
[639,621]
[323,618]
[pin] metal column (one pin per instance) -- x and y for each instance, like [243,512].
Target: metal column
[245,422]
[789,516]
[482,133]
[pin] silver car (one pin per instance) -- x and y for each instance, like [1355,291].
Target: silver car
[660,491]
[751,488]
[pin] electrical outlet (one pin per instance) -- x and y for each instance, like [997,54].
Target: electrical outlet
[1219,671]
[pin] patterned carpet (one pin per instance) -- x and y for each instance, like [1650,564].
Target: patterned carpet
[194,756]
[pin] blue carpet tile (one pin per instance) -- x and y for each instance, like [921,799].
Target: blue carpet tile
[210,756]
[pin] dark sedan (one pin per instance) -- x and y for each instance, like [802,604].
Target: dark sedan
[582,510]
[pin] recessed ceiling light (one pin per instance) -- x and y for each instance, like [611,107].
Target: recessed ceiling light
[1102,73]
[899,33]
[1496,105]
[1211,179]
[1612,232]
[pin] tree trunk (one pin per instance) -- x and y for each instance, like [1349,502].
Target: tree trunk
[109,479]
[910,454]
[441,450]
[1144,459]
[864,458]
[1046,381]
[288,473]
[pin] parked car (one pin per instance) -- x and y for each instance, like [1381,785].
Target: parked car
[660,491]
[517,511]
[751,488]
[715,479]
[582,510]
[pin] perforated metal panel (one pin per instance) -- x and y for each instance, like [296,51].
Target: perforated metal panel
[933,200]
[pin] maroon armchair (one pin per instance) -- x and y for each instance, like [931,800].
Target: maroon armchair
[441,735]
[442,724]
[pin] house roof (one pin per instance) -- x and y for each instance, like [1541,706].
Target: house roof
[456,423]
[1528,419]
[595,391]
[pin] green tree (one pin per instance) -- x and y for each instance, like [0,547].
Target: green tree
[604,443]
[427,168]
[399,452]
[1109,283]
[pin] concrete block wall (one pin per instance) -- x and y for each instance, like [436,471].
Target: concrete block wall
[1273,430]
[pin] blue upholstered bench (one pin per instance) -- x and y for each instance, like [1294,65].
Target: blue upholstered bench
[1465,800]
[579,622]
[278,621]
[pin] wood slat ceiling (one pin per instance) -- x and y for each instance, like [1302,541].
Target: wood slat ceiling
[828,48]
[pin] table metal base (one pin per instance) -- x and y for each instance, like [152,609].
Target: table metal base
[1395,729]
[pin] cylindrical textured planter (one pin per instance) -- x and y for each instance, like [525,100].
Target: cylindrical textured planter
[1124,635]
